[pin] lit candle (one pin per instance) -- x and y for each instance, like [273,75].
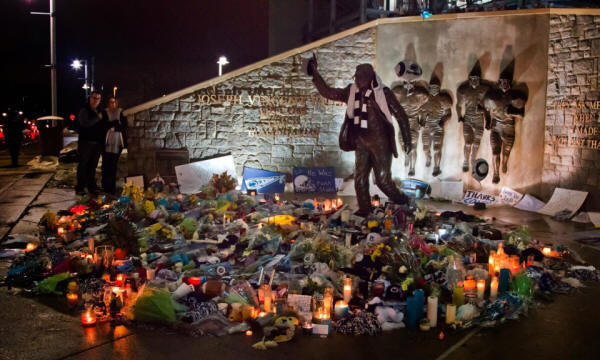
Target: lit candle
[491,262]
[347,290]
[106,277]
[248,332]
[432,305]
[494,288]
[340,309]
[268,297]
[61,230]
[72,299]
[450,313]
[480,289]
[307,328]
[253,193]
[328,300]
[327,205]
[88,318]
[547,250]
[120,279]
[276,197]
[91,244]
[30,247]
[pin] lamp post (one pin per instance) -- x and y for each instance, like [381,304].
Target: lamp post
[222,61]
[76,65]
[52,54]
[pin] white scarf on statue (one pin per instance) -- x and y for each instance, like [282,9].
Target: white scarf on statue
[353,110]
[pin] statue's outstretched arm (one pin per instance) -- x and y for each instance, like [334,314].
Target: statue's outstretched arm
[328,92]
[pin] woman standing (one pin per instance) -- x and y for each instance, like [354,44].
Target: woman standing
[116,141]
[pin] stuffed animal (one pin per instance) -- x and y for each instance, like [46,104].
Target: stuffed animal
[240,312]
[283,329]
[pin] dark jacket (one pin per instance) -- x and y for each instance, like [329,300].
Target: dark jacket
[119,125]
[91,125]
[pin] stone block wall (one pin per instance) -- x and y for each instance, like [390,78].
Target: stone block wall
[572,135]
[270,118]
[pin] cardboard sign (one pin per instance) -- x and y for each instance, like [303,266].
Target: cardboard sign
[263,181]
[191,177]
[509,196]
[314,180]
[471,197]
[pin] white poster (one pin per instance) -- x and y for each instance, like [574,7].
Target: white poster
[135,180]
[510,196]
[564,200]
[191,177]
[530,203]
[449,190]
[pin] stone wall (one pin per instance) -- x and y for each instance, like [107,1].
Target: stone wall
[572,142]
[270,118]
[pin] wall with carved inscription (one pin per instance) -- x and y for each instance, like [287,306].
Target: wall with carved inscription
[572,136]
[270,118]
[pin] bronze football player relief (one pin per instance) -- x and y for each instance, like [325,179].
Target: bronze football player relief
[470,112]
[368,130]
[503,106]
[434,114]
[412,95]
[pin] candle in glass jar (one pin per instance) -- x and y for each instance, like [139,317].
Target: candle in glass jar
[88,318]
[340,309]
[458,296]
[276,197]
[328,300]
[494,288]
[491,262]
[267,298]
[72,299]
[450,313]
[480,289]
[432,305]
[347,290]
[547,250]
[30,247]
[345,216]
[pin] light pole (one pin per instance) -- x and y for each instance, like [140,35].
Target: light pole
[52,54]
[222,61]
[76,65]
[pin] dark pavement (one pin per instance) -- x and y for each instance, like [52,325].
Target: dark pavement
[563,329]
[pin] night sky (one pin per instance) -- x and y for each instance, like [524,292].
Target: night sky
[145,48]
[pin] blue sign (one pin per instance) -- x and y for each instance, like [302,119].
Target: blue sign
[263,181]
[314,180]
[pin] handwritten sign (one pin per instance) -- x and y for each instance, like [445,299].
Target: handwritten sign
[510,196]
[471,197]
[314,180]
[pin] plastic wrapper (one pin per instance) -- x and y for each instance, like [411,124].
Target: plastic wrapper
[154,306]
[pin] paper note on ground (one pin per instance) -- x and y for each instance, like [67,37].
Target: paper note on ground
[594,218]
[564,200]
[510,196]
[530,203]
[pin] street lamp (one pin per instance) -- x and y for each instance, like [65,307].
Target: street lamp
[76,65]
[52,53]
[222,61]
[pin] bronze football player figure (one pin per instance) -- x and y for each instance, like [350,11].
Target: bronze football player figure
[470,112]
[434,114]
[503,106]
[411,95]
[368,130]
